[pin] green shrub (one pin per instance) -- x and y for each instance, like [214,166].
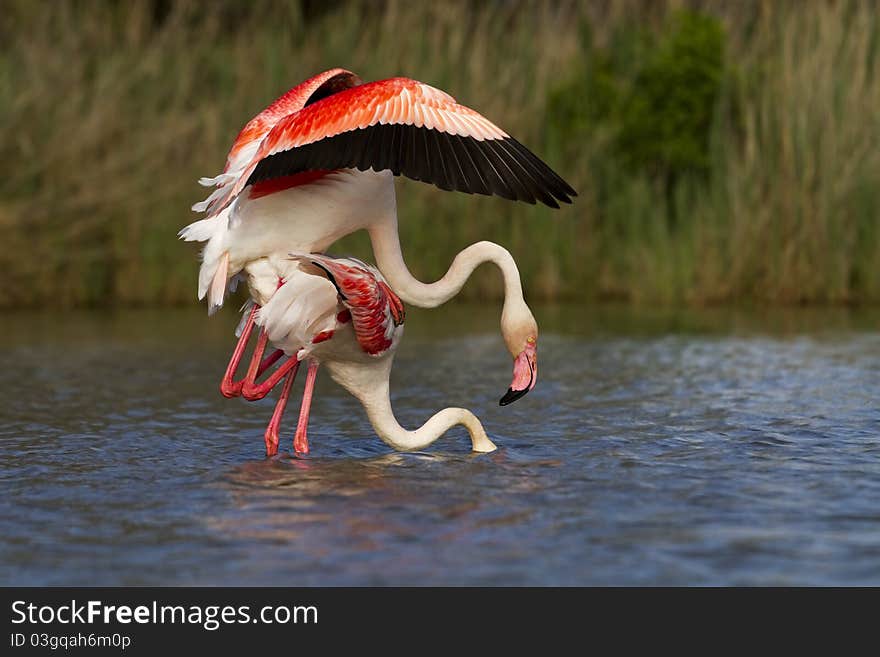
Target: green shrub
[666,118]
[651,116]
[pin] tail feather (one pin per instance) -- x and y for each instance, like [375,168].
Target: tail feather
[220,179]
[199,231]
[201,206]
[222,182]
[217,289]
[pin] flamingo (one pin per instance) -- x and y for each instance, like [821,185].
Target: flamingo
[318,164]
[340,312]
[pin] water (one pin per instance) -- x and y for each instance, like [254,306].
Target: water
[658,448]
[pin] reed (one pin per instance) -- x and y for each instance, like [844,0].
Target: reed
[110,111]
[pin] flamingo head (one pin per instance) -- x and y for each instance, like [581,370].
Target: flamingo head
[521,336]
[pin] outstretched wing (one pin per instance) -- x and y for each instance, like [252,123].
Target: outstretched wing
[410,128]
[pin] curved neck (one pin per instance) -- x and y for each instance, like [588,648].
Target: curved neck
[377,403]
[386,248]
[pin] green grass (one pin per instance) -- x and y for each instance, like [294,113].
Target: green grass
[726,152]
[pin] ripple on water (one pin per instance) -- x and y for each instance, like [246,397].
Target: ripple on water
[675,458]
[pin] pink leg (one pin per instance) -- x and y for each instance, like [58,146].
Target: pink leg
[275,422]
[229,387]
[247,387]
[268,361]
[251,390]
[301,441]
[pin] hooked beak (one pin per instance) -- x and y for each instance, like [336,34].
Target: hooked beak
[525,374]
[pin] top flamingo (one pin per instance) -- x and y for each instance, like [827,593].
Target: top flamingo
[318,164]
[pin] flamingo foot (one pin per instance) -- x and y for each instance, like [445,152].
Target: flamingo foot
[301,440]
[278,414]
[301,443]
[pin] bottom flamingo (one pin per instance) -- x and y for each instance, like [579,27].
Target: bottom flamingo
[339,312]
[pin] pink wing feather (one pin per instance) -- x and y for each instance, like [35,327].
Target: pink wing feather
[258,127]
[375,310]
[409,127]
[248,140]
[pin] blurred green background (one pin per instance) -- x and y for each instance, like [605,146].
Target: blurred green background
[723,151]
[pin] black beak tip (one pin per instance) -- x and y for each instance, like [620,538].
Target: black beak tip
[512,395]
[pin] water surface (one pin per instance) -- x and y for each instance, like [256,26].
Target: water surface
[723,447]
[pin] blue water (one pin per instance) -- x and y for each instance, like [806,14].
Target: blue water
[671,448]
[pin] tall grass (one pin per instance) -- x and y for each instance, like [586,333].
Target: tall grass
[109,112]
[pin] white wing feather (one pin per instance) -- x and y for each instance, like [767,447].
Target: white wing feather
[300,309]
